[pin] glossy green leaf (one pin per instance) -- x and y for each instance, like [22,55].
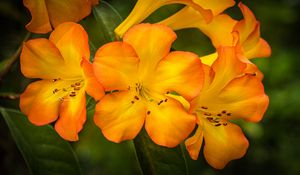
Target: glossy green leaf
[44,151]
[100,26]
[158,160]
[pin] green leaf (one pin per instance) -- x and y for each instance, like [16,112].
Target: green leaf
[100,26]
[158,160]
[44,151]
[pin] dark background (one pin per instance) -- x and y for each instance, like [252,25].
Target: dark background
[274,142]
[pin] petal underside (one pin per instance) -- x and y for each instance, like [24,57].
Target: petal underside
[40,22]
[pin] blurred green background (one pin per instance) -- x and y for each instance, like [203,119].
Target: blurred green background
[274,142]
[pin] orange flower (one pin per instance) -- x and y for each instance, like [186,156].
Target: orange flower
[143,8]
[47,12]
[62,64]
[227,94]
[143,73]
[220,30]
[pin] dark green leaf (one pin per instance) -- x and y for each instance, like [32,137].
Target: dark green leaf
[44,151]
[158,160]
[100,26]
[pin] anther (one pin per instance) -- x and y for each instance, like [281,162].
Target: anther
[132,102]
[219,115]
[72,95]
[77,84]
[64,89]
[76,88]
[167,92]
[166,100]
[72,85]
[136,97]
[209,118]
[54,80]
[160,102]
[228,114]
[204,107]
[218,124]
[55,90]
[224,124]
[207,114]
[224,112]
[128,88]
[148,112]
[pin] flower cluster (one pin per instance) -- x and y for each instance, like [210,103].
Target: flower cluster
[170,93]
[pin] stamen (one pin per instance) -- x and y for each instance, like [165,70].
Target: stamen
[148,112]
[204,107]
[219,115]
[160,102]
[76,88]
[136,97]
[228,114]
[77,84]
[166,100]
[224,112]
[55,90]
[218,124]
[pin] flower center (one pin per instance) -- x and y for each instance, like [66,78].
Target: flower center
[141,92]
[67,90]
[215,118]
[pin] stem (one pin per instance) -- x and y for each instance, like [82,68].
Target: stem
[7,63]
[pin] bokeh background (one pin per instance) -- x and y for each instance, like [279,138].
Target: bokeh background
[274,142]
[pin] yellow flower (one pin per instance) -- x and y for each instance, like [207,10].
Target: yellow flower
[62,64]
[221,31]
[227,94]
[54,12]
[143,8]
[144,73]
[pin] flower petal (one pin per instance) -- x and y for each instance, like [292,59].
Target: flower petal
[261,49]
[41,59]
[227,67]
[219,30]
[176,69]
[246,26]
[72,117]
[93,86]
[119,118]
[216,6]
[144,8]
[72,42]
[116,65]
[194,143]
[39,103]
[67,10]
[168,124]
[245,98]
[209,59]
[223,144]
[152,42]
[40,20]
